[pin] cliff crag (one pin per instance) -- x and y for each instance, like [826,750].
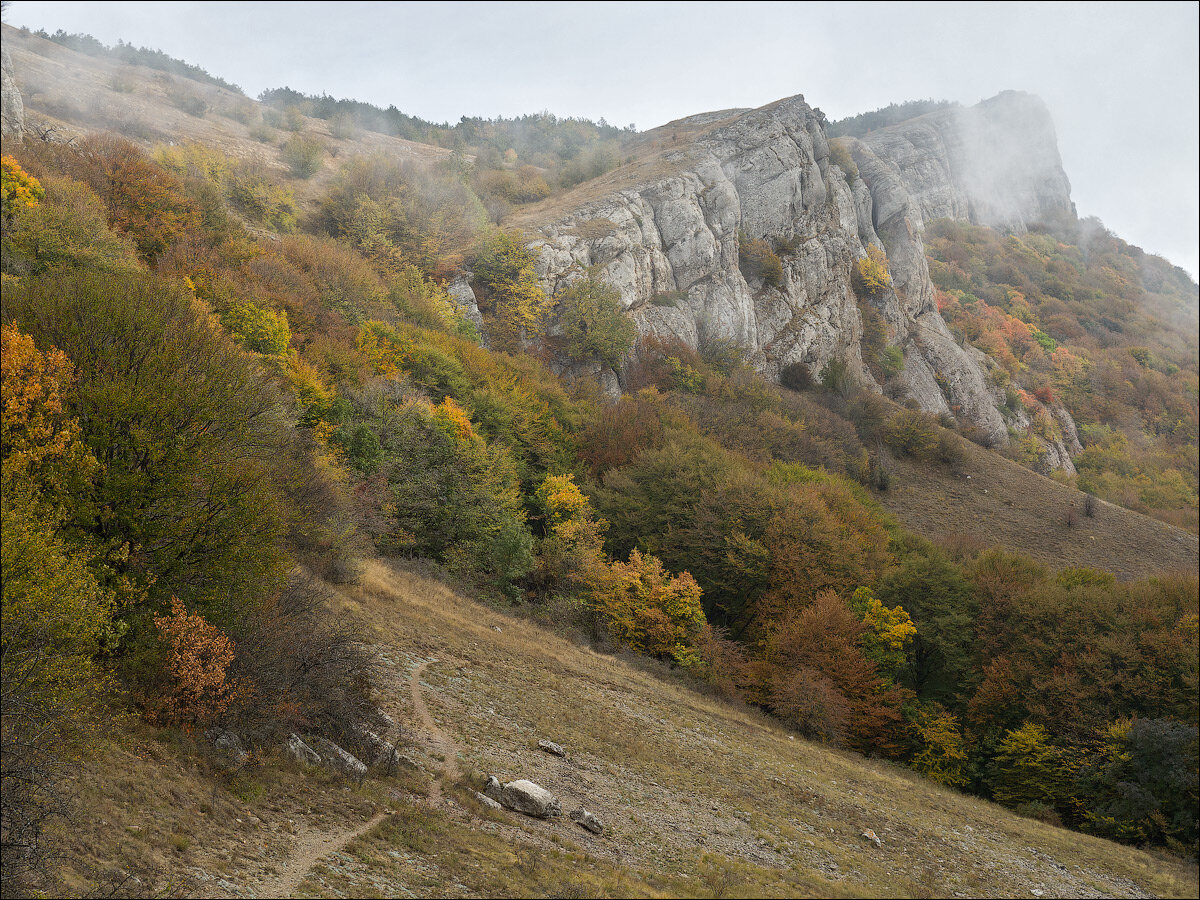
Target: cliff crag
[665,229]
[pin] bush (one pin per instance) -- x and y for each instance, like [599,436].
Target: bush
[66,231]
[190,103]
[595,322]
[187,431]
[839,155]
[870,275]
[757,260]
[303,155]
[911,432]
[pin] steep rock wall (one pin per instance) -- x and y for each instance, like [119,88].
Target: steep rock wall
[12,110]
[667,238]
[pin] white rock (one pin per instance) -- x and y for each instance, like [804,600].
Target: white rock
[586,820]
[301,752]
[525,797]
[336,759]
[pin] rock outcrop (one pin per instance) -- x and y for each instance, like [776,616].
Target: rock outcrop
[12,110]
[665,232]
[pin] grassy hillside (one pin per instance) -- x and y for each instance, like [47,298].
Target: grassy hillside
[985,500]
[699,798]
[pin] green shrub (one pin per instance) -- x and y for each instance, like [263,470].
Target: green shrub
[595,322]
[891,361]
[911,432]
[839,155]
[756,259]
[190,103]
[303,155]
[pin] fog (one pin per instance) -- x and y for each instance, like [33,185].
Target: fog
[1119,79]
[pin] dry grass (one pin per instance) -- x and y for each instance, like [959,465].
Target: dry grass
[1004,503]
[699,798]
[79,93]
[708,797]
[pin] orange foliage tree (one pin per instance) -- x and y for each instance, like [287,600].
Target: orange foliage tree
[197,691]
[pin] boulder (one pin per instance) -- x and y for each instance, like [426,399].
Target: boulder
[382,753]
[12,110]
[301,752]
[230,746]
[524,797]
[336,759]
[586,820]
[873,837]
[487,801]
[552,748]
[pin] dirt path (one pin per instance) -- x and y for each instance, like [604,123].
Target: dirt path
[311,848]
[441,741]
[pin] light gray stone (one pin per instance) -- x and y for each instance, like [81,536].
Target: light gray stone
[487,801]
[587,820]
[524,796]
[382,753]
[552,748]
[301,752]
[668,242]
[336,759]
[12,110]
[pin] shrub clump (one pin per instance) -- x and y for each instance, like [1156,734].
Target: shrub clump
[756,259]
[303,155]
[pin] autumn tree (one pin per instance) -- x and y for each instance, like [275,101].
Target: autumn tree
[871,275]
[595,323]
[55,613]
[813,672]
[189,436]
[512,298]
[196,691]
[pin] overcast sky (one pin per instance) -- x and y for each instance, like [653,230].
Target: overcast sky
[1119,78]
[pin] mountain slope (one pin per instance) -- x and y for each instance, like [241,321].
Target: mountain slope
[698,797]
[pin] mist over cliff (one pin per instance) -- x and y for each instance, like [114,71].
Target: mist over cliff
[667,234]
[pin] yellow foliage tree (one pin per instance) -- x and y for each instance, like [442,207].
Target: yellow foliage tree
[888,632]
[18,189]
[871,273]
[942,753]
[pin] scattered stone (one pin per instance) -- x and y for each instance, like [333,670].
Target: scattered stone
[336,759]
[872,836]
[586,820]
[487,801]
[1037,892]
[552,748]
[301,752]
[524,797]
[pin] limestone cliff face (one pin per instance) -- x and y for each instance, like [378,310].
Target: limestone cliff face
[664,231]
[12,111]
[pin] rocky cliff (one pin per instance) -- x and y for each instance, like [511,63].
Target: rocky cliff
[664,231]
[12,111]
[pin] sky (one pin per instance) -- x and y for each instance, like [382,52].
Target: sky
[1120,79]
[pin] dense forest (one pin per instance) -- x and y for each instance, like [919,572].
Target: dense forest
[1075,315]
